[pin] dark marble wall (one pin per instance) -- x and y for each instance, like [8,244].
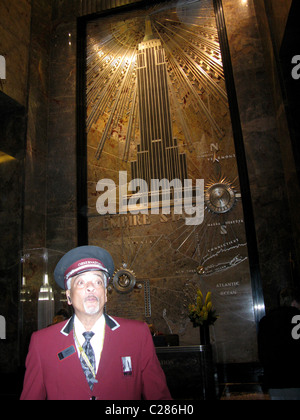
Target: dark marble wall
[277,14]
[14,46]
[274,20]
[266,141]
[61,175]
[35,193]
[12,148]
[25,40]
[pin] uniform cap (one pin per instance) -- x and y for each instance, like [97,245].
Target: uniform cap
[80,260]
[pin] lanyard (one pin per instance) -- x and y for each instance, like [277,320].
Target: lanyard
[83,353]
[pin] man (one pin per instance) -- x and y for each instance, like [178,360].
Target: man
[92,355]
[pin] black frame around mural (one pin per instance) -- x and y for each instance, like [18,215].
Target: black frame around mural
[82,219]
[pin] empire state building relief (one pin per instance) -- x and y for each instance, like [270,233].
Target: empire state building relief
[158,155]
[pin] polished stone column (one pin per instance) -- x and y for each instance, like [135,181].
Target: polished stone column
[262,144]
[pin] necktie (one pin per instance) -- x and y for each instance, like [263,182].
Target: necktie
[89,365]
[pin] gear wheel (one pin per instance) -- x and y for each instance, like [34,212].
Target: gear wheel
[124,280]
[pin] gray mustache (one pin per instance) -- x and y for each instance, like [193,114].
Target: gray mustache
[91,296]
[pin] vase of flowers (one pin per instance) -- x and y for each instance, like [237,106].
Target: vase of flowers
[203,315]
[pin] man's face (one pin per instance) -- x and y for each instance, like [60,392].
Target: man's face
[88,294]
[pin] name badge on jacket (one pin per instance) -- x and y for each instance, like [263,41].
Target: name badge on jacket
[66,353]
[127,366]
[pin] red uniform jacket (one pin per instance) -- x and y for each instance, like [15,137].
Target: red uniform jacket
[54,372]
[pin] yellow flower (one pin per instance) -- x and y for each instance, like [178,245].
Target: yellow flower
[209,306]
[202,311]
[199,293]
[208,298]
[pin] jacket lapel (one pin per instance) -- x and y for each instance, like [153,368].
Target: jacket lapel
[111,325]
[68,327]
[111,322]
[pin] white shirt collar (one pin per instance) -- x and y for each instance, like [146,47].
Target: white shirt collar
[97,339]
[79,328]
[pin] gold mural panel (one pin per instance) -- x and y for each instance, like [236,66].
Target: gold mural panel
[157,108]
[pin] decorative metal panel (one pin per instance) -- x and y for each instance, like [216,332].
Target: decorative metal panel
[157,109]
